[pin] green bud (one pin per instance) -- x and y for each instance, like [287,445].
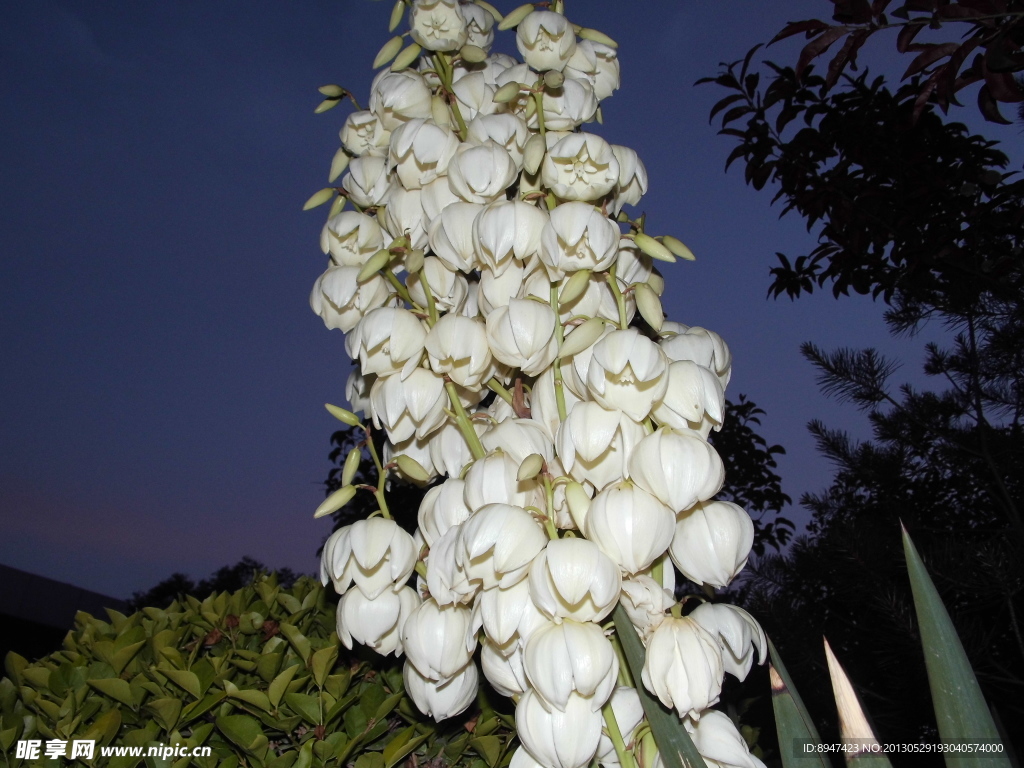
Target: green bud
[649,305]
[553,79]
[332,91]
[396,16]
[531,108]
[578,501]
[355,456]
[657,283]
[473,54]
[335,501]
[408,55]
[324,105]
[388,52]
[374,264]
[512,19]
[581,338]
[411,468]
[338,164]
[490,9]
[531,467]
[533,153]
[414,260]
[346,417]
[319,198]
[653,248]
[678,248]
[439,112]
[574,287]
[337,206]
[596,37]
[507,92]
[599,115]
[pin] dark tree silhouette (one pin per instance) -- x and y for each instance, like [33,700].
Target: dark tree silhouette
[227,578]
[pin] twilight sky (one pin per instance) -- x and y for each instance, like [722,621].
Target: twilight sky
[161,374]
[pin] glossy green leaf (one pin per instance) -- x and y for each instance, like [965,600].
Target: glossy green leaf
[243,730]
[187,681]
[115,688]
[792,720]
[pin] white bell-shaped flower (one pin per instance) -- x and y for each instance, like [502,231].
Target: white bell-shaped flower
[700,345]
[598,64]
[678,466]
[419,152]
[630,525]
[712,542]
[576,237]
[367,182]
[341,301]
[375,623]
[568,106]
[544,732]
[594,444]
[448,287]
[357,390]
[683,666]
[448,450]
[546,40]
[417,449]
[519,438]
[646,602]
[632,183]
[497,545]
[494,480]
[351,238]
[508,230]
[507,615]
[385,340]
[573,579]
[435,197]
[497,290]
[442,508]
[737,631]
[475,96]
[720,743]
[571,657]
[522,335]
[694,392]
[523,759]
[480,173]
[479,26]
[442,700]
[438,640]
[631,264]
[629,713]
[438,25]
[375,554]
[399,96]
[451,235]
[410,405]
[446,581]
[404,216]
[457,347]
[505,672]
[363,134]
[575,374]
[581,166]
[506,129]
[628,372]
[544,405]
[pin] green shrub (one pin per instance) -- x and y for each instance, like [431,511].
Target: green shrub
[257,675]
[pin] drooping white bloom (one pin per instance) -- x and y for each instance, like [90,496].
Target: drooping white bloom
[448,287]
[449,451]
[451,235]
[446,581]
[457,346]
[367,181]
[385,339]
[704,347]
[632,183]
[546,40]
[351,238]
[474,95]
[404,216]
[363,134]
[441,508]
[436,197]
[399,96]
[439,640]
[737,631]
[357,391]
[519,438]
[544,406]
[677,466]
[494,480]
[712,542]
[341,301]
[576,237]
[594,444]
[693,393]
[646,602]
[480,173]
[506,129]
[628,372]
[629,713]
[417,449]
[574,579]
[497,544]
[567,107]
[410,405]
[479,26]
[581,166]
[498,290]
[598,64]
[375,554]
[631,264]
[442,700]
[522,335]
[375,623]
[571,657]
[596,300]
[543,732]
[683,666]
[438,25]
[505,672]
[720,743]
[420,151]
[629,525]
[508,230]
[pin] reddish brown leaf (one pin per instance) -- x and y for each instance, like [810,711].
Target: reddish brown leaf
[929,56]
[818,46]
[847,55]
[956,11]
[852,11]
[723,104]
[906,36]
[925,93]
[811,26]
[1003,87]
[986,7]
[990,107]
[878,7]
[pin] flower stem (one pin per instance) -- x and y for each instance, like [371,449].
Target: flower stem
[625,678]
[549,521]
[465,426]
[397,285]
[560,337]
[620,302]
[382,475]
[538,99]
[612,726]
[495,386]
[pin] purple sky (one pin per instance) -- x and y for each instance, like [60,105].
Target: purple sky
[162,375]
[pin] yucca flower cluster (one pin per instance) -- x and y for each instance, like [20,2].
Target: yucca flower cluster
[504,312]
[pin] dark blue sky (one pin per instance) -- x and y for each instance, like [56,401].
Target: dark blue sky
[162,375]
